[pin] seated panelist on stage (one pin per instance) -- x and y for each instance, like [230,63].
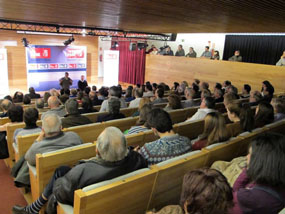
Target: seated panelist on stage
[65,82]
[281,61]
[236,57]
[206,53]
[82,83]
[192,53]
[180,51]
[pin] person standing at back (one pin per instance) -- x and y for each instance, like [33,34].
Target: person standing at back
[65,82]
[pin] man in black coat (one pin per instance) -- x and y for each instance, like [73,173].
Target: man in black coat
[82,83]
[32,94]
[113,159]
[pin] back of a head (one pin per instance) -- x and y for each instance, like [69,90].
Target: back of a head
[174,101]
[63,98]
[278,105]
[94,88]
[215,128]
[265,114]
[267,160]
[15,113]
[18,97]
[5,105]
[247,88]
[149,87]
[51,124]
[71,106]
[210,102]
[228,98]
[46,96]
[40,103]
[160,120]
[112,145]
[143,101]
[160,92]
[246,118]
[115,91]
[139,92]
[205,85]
[205,93]
[227,83]
[27,99]
[206,191]
[218,86]
[31,90]
[31,115]
[114,105]
[87,103]
[73,92]
[144,111]
[53,102]
[129,92]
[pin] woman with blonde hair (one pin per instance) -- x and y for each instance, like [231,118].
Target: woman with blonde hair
[214,131]
[143,101]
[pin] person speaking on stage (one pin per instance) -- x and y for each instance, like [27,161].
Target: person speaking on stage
[65,82]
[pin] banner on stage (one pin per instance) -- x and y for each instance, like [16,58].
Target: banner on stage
[4,83]
[47,64]
[111,68]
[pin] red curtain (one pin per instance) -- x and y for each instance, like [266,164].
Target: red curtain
[132,64]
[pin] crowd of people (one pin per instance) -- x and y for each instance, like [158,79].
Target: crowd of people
[207,54]
[259,187]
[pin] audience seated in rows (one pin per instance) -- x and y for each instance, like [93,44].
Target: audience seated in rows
[5,105]
[174,102]
[260,186]
[148,92]
[267,91]
[15,114]
[207,106]
[40,104]
[204,191]
[279,108]
[141,124]
[218,95]
[55,108]
[159,93]
[214,131]
[33,94]
[129,94]
[143,101]
[113,159]
[229,98]
[51,138]
[18,97]
[169,145]
[255,98]
[31,115]
[113,110]
[26,100]
[138,96]
[190,102]
[46,97]
[63,98]
[114,92]
[73,117]
[87,106]
[241,114]
[264,114]
[246,91]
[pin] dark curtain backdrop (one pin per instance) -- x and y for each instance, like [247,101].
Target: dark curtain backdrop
[131,63]
[255,49]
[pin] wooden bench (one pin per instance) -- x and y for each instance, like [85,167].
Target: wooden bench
[46,164]
[125,194]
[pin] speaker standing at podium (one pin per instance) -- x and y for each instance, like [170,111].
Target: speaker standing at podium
[65,82]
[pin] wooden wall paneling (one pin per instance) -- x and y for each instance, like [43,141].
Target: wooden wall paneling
[169,69]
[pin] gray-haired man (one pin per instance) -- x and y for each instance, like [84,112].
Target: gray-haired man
[113,159]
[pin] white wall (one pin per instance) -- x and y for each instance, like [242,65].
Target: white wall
[102,46]
[196,40]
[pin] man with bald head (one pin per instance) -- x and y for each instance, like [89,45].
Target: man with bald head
[55,108]
[5,105]
[51,138]
[113,159]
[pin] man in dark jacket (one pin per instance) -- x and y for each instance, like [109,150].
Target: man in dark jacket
[73,118]
[113,159]
[5,105]
[33,94]
[82,83]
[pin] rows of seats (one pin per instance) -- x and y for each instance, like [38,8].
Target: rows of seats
[124,195]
